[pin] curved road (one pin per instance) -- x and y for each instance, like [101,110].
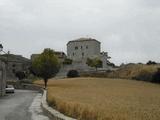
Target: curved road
[22,105]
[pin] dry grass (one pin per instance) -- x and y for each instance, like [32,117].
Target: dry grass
[134,70]
[105,99]
[130,71]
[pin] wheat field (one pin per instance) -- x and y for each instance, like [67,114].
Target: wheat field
[105,99]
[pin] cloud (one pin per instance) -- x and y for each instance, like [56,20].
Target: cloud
[128,30]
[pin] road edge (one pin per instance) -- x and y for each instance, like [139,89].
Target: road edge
[52,112]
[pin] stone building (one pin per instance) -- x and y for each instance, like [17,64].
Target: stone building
[2,78]
[60,55]
[15,63]
[83,48]
[80,49]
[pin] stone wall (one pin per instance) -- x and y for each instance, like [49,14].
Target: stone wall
[2,78]
[79,66]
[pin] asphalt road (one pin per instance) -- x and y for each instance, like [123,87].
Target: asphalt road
[22,105]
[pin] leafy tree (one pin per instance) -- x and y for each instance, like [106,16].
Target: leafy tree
[46,65]
[95,62]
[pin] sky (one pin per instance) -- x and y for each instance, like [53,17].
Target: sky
[129,30]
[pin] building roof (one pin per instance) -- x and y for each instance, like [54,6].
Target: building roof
[83,39]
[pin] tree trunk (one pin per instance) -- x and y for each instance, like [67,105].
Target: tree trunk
[45,83]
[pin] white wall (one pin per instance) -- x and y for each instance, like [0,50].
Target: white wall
[90,48]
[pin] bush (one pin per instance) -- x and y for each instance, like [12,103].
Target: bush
[72,74]
[156,77]
[20,75]
[151,63]
[144,75]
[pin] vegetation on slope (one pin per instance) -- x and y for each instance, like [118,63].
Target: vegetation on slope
[130,71]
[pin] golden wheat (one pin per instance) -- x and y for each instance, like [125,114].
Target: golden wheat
[105,99]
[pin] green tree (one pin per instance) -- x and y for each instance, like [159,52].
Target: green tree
[95,62]
[46,65]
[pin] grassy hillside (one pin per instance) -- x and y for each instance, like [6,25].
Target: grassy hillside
[105,99]
[130,71]
[134,70]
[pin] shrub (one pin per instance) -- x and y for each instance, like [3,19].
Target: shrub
[72,74]
[156,76]
[144,75]
[20,75]
[151,63]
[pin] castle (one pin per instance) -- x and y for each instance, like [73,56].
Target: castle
[81,49]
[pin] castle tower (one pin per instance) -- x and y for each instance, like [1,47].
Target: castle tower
[83,48]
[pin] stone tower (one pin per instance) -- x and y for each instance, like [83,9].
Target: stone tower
[83,48]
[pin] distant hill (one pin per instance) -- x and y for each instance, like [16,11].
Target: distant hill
[14,58]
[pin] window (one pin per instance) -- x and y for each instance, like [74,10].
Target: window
[81,47]
[76,48]
[13,65]
[82,54]
[13,70]
[87,47]
[73,54]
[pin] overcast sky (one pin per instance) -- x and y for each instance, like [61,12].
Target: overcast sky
[129,30]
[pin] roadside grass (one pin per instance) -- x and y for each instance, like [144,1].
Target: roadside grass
[105,99]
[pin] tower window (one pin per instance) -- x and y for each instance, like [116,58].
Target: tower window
[87,47]
[81,47]
[73,54]
[76,48]
[13,65]
[82,54]
[13,70]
